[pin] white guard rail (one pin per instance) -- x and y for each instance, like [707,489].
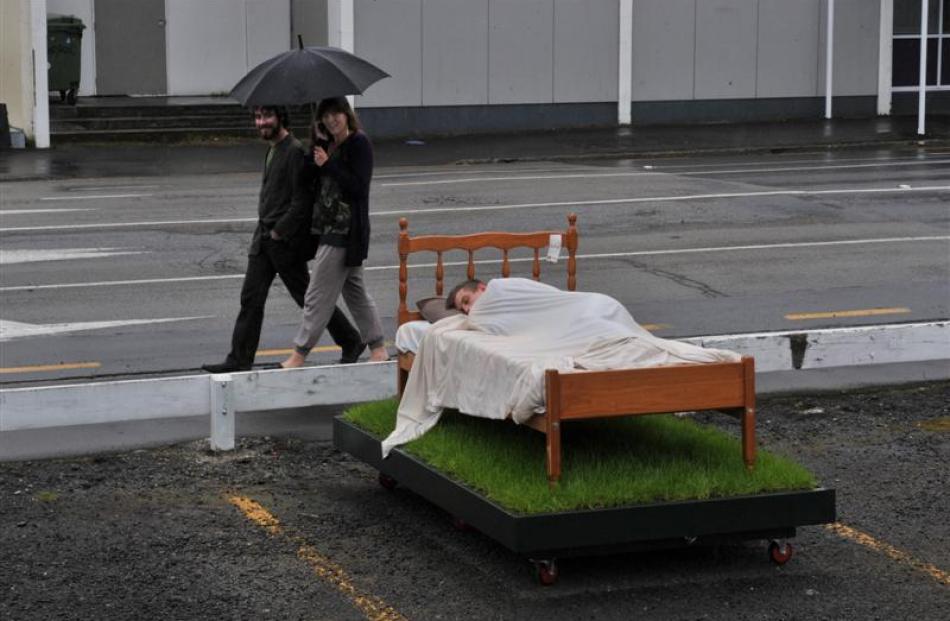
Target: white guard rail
[222,396]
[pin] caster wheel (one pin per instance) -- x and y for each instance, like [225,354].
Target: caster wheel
[780,553]
[387,481]
[546,571]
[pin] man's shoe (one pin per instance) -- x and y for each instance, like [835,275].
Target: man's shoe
[352,354]
[224,367]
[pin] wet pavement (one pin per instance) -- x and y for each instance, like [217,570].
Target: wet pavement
[72,161]
[289,528]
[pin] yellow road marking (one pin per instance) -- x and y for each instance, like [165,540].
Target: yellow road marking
[864,312]
[653,327]
[323,348]
[287,352]
[39,368]
[890,551]
[371,606]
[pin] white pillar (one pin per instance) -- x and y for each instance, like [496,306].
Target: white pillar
[625,62]
[340,18]
[885,58]
[829,57]
[222,412]
[340,24]
[922,93]
[40,75]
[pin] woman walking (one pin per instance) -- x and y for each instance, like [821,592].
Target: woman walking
[341,222]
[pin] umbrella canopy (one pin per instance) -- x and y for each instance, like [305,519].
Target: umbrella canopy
[306,75]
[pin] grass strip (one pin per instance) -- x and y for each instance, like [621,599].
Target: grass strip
[606,463]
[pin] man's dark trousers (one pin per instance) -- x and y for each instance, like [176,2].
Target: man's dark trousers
[289,261]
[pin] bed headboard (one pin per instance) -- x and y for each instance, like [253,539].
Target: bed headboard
[470,243]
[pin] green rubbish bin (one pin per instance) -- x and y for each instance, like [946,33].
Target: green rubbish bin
[63,47]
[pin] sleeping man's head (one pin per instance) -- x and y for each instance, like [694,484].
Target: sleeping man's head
[464,294]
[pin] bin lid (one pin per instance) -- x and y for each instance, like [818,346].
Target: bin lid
[64,21]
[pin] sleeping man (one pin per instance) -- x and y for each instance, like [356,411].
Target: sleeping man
[490,360]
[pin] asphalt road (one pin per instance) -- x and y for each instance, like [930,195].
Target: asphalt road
[289,528]
[121,276]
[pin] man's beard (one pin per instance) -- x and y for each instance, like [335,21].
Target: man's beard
[268,133]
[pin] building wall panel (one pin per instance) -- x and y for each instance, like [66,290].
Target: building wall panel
[663,49]
[787,54]
[389,35]
[585,50]
[195,67]
[212,44]
[268,32]
[521,51]
[454,52]
[857,24]
[725,49]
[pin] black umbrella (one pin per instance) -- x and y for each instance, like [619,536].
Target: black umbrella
[306,75]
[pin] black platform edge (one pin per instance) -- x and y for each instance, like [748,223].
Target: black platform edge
[762,516]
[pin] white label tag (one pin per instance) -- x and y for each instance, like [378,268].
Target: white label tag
[554,248]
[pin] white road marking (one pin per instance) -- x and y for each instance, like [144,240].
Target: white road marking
[91,196]
[586,257]
[819,160]
[408,212]
[474,171]
[19,212]
[803,168]
[90,188]
[519,178]
[16,330]
[117,283]
[9,257]
[652,171]
[661,199]
[117,225]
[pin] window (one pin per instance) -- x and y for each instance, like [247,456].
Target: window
[906,51]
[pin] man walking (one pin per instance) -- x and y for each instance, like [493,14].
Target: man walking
[281,244]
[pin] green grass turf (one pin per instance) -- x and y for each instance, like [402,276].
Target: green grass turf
[606,463]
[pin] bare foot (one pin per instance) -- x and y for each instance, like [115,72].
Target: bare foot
[378,354]
[295,360]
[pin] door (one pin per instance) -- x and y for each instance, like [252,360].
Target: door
[130,47]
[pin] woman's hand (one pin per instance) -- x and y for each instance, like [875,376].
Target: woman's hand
[320,156]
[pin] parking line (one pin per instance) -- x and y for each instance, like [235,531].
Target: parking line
[40,368]
[371,606]
[862,312]
[851,534]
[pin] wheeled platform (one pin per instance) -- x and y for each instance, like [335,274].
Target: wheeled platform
[545,537]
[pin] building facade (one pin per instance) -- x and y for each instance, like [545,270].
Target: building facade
[484,65]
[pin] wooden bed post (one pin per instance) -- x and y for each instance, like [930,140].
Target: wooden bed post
[748,412]
[403,270]
[571,243]
[403,312]
[552,424]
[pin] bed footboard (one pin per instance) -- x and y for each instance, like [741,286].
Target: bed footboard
[579,395]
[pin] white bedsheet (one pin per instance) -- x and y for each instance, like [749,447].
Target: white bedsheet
[491,362]
[409,335]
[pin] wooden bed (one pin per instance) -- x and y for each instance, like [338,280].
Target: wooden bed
[578,395]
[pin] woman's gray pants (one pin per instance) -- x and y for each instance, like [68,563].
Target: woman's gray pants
[329,278]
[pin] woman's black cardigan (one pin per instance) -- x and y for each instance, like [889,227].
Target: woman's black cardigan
[352,167]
